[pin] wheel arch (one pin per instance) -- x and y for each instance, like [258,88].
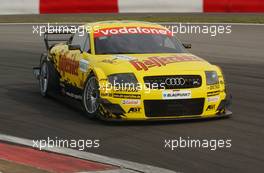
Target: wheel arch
[98,73]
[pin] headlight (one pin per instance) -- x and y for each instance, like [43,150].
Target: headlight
[122,79]
[211,78]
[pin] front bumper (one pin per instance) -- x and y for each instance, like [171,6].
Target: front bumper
[225,114]
[115,112]
[203,102]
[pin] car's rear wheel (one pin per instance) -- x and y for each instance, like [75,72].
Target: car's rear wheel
[43,79]
[90,97]
[48,79]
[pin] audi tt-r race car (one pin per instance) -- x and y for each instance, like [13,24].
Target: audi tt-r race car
[129,70]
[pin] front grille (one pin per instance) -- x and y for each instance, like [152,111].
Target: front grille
[173,82]
[183,107]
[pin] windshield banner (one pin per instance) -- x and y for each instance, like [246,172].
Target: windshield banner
[131,30]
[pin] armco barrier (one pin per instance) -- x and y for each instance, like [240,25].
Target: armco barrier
[128,6]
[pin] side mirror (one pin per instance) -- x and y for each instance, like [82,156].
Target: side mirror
[187,46]
[75,47]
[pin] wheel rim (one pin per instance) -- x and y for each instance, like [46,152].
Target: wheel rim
[91,95]
[43,78]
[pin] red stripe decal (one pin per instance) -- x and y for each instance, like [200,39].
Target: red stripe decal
[78,6]
[233,6]
[48,161]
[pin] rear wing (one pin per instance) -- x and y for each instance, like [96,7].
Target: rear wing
[51,39]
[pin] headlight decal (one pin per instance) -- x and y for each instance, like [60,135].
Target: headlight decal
[122,79]
[211,77]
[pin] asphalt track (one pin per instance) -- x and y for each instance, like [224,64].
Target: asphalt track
[24,113]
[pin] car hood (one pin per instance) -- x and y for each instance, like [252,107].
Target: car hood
[152,64]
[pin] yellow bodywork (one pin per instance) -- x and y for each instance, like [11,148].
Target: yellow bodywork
[104,65]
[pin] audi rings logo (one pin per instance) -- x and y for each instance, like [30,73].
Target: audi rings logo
[178,81]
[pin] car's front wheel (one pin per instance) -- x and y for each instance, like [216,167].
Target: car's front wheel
[90,97]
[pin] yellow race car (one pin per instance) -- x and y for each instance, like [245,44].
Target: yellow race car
[129,70]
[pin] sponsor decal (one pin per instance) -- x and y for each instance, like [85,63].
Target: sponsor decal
[134,110]
[84,64]
[213,87]
[106,94]
[210,107]
[124,57]
[68,65]
[214,93]
[109,61]
[176,94]
[213,99]
[103,80]
[130,102]
[126,89]
[161,61]
[131,30]
[127,96]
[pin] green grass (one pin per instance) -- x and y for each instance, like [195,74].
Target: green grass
[164,17]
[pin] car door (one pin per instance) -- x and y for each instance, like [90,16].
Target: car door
[71,64]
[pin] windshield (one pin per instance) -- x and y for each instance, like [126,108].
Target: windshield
[137,44]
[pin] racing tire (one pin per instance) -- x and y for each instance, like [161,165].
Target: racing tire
[90,97]
[48,79]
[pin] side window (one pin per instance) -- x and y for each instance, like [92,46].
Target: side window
[87,45]
[168,43]
[82,40]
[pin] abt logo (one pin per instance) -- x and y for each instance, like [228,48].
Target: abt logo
[210,107]
[134,110]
